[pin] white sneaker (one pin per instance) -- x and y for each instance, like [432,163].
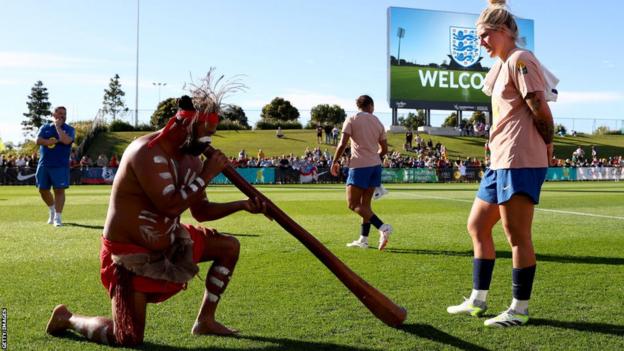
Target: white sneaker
[57,222]
[51,218]
[474,308]
[358,244]
[379,192]
[384,234]
[509,318]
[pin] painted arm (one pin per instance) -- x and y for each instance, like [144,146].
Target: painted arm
[205,210]
[171,188]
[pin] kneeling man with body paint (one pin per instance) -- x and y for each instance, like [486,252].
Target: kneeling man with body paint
[147,255]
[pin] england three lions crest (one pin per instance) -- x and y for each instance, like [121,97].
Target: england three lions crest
[465,45]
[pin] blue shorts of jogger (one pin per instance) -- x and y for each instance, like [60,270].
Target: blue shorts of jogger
[57,177]
[365,177]
[498,186]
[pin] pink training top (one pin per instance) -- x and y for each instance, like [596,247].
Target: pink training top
[366,132]
[514,139]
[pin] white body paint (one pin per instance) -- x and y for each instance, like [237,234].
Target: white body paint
[148,213]
[149,233]
[160,159]
[222,270]
[147,219]
[104,335]
[200,182]
[212,297]
[175,170]
[168,189]
[215,281]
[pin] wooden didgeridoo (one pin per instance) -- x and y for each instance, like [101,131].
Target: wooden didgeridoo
[380,305]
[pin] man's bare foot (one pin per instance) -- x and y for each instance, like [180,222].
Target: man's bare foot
[59,321]
[212,328]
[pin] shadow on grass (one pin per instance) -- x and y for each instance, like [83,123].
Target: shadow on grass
[100,227]
[235,234]
[426,331]
[278,344]
[507,254]
[597,191]
[293,139]
[602,328]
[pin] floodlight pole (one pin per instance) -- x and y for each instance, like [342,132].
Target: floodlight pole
[136,81]
[400,34]
[159,84]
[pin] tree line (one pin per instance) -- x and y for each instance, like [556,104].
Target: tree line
[277,113]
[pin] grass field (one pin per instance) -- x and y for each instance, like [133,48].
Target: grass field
[282,298]
[296,141]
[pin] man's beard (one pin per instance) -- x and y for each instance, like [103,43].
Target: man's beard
[193,146]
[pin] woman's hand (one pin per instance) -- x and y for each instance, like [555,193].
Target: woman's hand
[335,168]
[550,153]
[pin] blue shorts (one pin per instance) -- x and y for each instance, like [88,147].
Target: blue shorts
[57,177]
[498,186]
[366,177]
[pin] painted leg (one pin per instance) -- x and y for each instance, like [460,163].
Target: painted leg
[96,329]
[224,251]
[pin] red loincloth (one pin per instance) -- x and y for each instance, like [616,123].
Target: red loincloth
[156,290]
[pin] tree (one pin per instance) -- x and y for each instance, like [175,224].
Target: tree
[165,110]
[279,110]
[451,120]
[413,121]
[477,116]
[38,109]
[328,114]
[113,102]
[234,113]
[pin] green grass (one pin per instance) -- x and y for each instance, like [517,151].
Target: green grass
[407,85]
[296,141]
[282,298]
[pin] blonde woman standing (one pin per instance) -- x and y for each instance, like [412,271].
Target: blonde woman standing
[521,146]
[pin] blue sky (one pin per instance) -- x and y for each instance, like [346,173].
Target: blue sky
[309,52]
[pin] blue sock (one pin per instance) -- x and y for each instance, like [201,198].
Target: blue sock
[365,229]
[376,221]
[482,273]
[522,282]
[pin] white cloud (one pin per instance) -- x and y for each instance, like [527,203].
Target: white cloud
[584,97]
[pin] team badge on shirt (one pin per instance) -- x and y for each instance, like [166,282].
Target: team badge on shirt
[521,67]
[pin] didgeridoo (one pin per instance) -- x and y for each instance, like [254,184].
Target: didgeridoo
[380,305]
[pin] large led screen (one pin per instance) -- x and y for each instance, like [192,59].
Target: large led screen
[435,60]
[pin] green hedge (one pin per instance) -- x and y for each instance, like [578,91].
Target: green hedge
[273,124]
